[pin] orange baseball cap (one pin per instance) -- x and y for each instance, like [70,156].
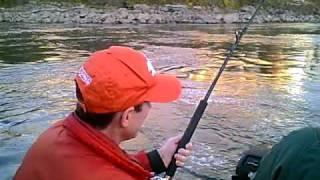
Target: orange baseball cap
[117,78]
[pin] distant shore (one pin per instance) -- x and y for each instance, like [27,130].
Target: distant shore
[144,14]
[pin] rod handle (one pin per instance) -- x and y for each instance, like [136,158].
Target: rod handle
[187,135]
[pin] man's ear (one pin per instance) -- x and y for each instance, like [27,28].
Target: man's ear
[126,116]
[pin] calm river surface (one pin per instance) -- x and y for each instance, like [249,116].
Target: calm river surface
[271,86]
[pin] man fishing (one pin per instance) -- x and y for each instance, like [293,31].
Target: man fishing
[114,88]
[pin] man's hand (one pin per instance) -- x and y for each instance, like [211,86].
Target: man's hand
[169,147]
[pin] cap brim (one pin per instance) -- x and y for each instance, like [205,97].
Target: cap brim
[167,88]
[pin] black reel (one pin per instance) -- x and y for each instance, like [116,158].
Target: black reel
[249,163]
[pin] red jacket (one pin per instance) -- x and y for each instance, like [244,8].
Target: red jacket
[71,150]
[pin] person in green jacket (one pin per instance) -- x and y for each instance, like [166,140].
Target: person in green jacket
[295,157]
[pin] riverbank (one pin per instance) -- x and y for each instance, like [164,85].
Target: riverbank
[144,14]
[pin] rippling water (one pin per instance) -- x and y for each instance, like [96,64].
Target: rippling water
[270,87]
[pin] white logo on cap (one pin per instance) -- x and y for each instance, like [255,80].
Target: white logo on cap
[84,76]
[151,68]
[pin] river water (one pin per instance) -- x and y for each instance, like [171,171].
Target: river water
[270,87]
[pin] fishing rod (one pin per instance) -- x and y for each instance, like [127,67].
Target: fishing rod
[204,102]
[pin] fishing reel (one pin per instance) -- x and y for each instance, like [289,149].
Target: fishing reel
[249,162]
[247,165]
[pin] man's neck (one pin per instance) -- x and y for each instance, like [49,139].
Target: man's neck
[112,134]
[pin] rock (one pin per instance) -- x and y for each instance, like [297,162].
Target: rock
[200,21]
[290,18]
[110,20]
[155,19]
[204,20]
[99,11]
[77,9]
[6,16]
[199,8]
[297,2]
[143,18]
[244,17]
[219,18]
[166,19]
[173,8]
[184,19]
[105,16]
[20,17]
[45,14]
[83,13]
[310,18]
[214,19]
[283,17]
[54,16]
[61,18]
[164,9]
[267,18]
[259,20]
[91,14]
[141,7]
[316,11]
[36,11]
[142,13]
[68,21]
[231,18]
[46,20]
[276,19]
[177,18]
[97,19]
[123,13]
[75,19]
[125,21]
[32,17]
[279,11]
[249,9]
[55,20]
[131,17]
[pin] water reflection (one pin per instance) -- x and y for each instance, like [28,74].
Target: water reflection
[270,87]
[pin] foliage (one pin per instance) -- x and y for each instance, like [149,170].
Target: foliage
[10,3]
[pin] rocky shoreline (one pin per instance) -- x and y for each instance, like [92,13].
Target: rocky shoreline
[144,14]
